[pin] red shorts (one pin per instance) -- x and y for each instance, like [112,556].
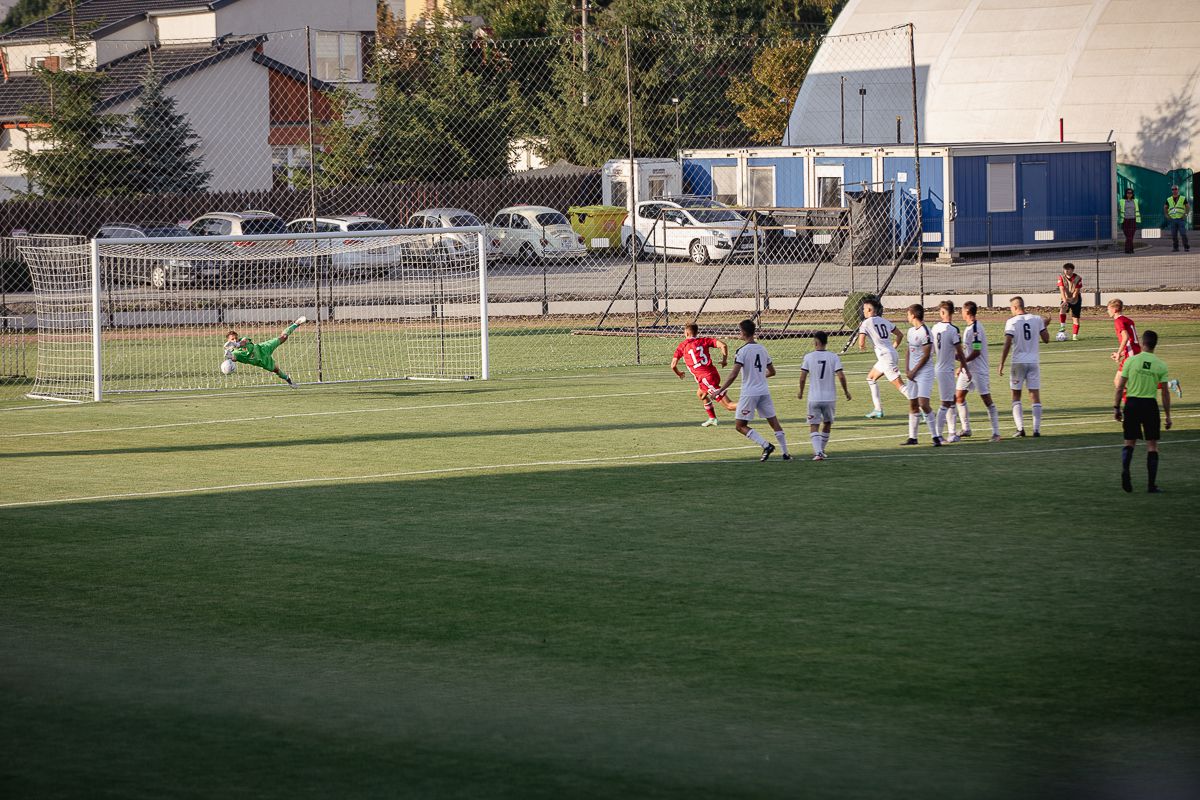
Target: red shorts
[708,380]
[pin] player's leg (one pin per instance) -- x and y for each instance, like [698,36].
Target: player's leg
[1062,315]
[1152,429]
[814,434]
[1131,427]
[1076,311]
[1016,379]
[873,385]
[993,415]
[914,418]
[702,394]
[745,412]
[931,420]
[825,429]
[1035,395]
[766,410]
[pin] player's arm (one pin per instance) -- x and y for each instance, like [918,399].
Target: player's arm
[803,380]
[1166,398]
[1122,340]
[724,348]
[962,358]
[845,387]
[898,335]
[1004,352]
[862,340]
[771,370]
[1117,399]
[1045,334]
[675,367]
[1062,290]
[733,373]
[926,349]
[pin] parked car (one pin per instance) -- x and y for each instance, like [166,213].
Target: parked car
[444,246]
[378,260]
[703,231]
[534,233]
[158,272]
[245,223]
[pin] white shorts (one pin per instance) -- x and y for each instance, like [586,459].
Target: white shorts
[748,404]
[887,366]
[821,412]
[946,383]
[1027,375]
[979,381]
[922,385]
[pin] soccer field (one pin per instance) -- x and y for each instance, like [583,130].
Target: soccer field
[561,586]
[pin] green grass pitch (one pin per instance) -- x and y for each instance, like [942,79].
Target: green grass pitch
[561,586]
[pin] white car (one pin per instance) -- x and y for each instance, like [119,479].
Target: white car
[703,230]
[378,260]
[445,247]
[533,233]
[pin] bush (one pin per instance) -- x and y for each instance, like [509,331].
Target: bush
[852,312]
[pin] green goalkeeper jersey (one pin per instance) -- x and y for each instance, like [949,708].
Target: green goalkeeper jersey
[258,355]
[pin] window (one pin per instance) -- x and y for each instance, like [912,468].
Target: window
[501,221]
[1001,187]
[649,210]
[724,184]
[762,187]
[519,223]
[337,56]
[288,163]
[830,191]
[658,187]
[620,192]
[264,225]
[551,218]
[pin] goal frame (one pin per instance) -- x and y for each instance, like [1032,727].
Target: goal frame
[97,282]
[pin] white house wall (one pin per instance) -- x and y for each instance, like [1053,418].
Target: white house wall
[123,42]
[19,56]
[290,17]
[12,181]
[198,26]
[228,108]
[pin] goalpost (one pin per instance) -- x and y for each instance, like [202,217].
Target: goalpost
[151,314]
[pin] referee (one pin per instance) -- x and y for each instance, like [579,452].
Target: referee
[1142,376]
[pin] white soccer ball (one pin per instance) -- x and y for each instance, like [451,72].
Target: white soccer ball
[1062,336]
[228,366]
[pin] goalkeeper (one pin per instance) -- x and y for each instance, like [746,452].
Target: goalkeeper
[242,349]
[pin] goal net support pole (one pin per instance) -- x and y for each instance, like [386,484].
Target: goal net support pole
[481,254]
[97,333]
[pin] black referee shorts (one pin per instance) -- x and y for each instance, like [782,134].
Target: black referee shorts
[1141,419]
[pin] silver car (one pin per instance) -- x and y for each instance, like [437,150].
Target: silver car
[348,254]
[444,247]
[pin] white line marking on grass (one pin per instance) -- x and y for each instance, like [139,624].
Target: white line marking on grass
[340,412]
[329,479]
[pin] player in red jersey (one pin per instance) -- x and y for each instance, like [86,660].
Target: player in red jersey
[1070,291]
[1127,338]
[694,352]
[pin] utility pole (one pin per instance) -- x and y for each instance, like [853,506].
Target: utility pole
[843,96]
[862,114]
[583,4]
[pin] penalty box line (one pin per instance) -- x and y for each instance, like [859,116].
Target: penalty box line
[643,457]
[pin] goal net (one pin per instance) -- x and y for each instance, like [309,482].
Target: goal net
[149,315]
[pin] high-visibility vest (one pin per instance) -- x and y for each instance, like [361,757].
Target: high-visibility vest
[1176,207]
[1137,210]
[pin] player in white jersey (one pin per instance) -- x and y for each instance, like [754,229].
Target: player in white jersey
[977,377]
[920,376]
[1022,334]
[880,331]
[821,365]
[948,353]
[754,365]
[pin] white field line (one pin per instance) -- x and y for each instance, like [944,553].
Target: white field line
[592,376]
[640,457]
[337,413]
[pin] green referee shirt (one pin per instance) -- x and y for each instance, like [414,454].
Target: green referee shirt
[1143,373]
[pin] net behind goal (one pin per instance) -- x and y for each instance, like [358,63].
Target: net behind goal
[146,315]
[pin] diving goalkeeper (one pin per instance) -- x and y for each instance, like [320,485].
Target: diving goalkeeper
[241,349]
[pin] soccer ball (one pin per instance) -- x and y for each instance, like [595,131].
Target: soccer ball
[228,366]
[1062,336]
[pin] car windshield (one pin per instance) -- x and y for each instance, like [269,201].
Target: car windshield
[367,225]
[551,218]
[464,221]
[166,231]
[706,216]
[261,225]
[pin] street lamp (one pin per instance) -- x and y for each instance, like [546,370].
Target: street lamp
[675,104]
[862,114]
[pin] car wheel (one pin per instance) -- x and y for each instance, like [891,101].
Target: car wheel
[698,252]
[527,255]
[158,276]
[634,246]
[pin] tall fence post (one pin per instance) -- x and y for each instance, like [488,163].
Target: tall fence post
[484,354]
[1096,226]
[637,339]
[312,195]
[990,302]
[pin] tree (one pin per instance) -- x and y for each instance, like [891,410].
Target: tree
[24,12]
[765,99]
[160,146]
[77,157]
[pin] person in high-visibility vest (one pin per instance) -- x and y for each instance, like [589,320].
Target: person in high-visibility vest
[1129,214]
[1176,210]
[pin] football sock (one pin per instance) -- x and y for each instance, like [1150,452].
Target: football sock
[815,438]
[824,441]
[994,416]
[1062,319]
[1019,416]
[1151,466]
[914,421]
[1037,417]
[940,414]
[949,420]
[875,401]
[290,329]
[756,437]
[282,374]
[1126,458]
[935,428]
[1075,328]
[963,417]
[782,439]
[708,409]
